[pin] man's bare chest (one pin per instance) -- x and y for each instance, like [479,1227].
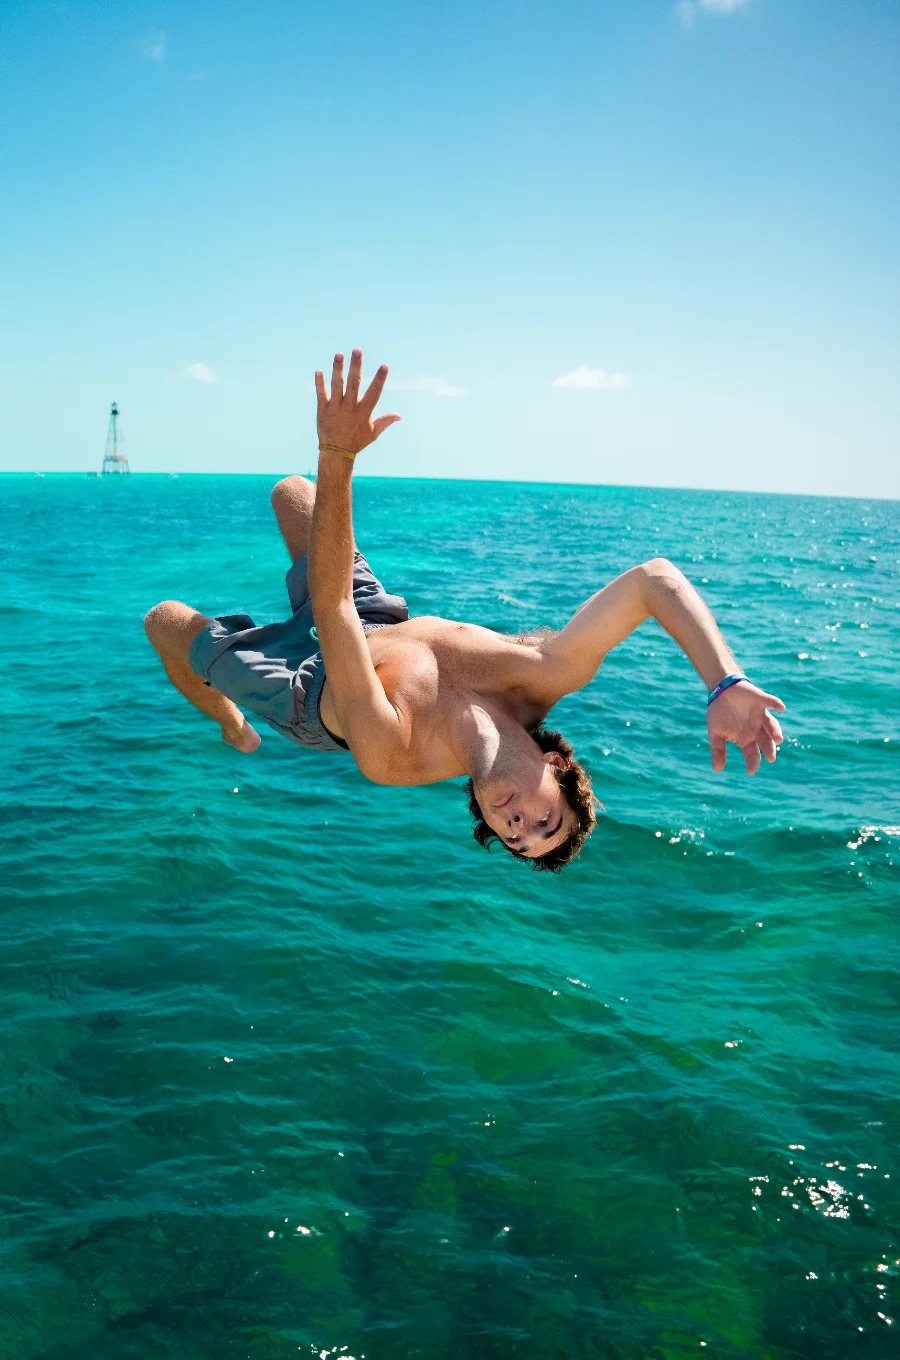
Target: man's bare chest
[433,655]
[430,667]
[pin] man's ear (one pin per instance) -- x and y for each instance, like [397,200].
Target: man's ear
[556,760]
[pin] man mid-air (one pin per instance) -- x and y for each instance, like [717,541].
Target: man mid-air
[420,700]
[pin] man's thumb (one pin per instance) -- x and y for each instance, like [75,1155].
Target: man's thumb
[381,424]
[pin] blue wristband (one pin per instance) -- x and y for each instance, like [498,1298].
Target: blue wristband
[725,684]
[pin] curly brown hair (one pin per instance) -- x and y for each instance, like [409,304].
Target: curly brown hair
[575,783]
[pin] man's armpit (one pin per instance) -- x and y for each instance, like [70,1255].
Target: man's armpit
[537,637]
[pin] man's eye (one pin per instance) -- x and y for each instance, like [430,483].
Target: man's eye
[544,821]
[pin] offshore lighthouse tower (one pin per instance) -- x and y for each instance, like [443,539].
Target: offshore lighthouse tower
[114,459]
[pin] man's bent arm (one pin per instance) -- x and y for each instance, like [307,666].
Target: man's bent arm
[659,590]
[656,589]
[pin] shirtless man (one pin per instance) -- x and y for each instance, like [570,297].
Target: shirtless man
[420,700]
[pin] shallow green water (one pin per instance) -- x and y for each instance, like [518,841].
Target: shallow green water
[291,1064]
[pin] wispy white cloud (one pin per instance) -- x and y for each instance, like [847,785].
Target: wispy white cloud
[592,379]
[437,387]
[201,373]
[687,10]
[154,46]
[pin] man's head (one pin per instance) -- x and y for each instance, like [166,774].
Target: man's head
[541,808]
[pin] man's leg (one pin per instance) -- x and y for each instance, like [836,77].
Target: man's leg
[171,628]
[293,499]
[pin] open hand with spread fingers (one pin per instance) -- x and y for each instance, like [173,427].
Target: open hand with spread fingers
[741,714]
[344,422]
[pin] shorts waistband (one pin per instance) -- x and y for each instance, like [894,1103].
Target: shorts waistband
[309,728]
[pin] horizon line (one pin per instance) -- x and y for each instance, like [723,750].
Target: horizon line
[481,481]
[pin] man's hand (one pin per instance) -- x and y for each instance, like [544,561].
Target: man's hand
[345,418]
[740,714]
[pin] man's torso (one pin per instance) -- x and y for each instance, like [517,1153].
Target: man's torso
[431,667]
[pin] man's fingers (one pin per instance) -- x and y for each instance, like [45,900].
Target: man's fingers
[374,390]
[320,386]
[768,748]
[772,701]
[354,376]
[381,424]
[772,728]
[751,755]
[719,749]
[337,378]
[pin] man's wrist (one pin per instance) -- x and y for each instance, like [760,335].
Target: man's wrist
[725,683]
[333,464]
[719,671]
[339,449]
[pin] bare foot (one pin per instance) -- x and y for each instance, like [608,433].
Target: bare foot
[246,739]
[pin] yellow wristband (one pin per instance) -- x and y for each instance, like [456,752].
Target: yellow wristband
[333,448]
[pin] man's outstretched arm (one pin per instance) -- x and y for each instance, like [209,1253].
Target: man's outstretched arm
[369,722]
[657,589]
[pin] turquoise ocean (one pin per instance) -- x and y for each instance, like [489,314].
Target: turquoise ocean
[292,1067]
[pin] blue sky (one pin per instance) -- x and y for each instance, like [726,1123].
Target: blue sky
[644,243]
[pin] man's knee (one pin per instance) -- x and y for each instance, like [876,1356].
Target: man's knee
[293,493]
[171,627]
[293,500]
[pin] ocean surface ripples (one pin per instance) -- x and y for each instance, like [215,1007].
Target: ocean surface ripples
[291,1066]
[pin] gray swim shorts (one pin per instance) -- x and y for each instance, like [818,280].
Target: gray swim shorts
[277,671]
